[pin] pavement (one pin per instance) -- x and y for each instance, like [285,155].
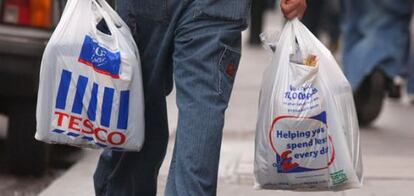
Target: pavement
[387,145]
[387,149]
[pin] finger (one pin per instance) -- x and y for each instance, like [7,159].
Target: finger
[301,13]
[289,5]
[302,10]
[292,14]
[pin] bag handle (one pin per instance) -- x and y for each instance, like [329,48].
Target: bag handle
[105,15]
[284,49]
[65,16]
[119,23]
[110,40]
[297,35]
[300,32]
[67,11]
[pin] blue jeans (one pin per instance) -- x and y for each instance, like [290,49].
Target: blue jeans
[410,78]
[376,35]
[198,42]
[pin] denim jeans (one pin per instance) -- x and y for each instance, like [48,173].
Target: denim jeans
[410,77]
[376,35]
[198,43]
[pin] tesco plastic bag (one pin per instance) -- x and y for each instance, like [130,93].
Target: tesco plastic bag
[307,135]
[90,89]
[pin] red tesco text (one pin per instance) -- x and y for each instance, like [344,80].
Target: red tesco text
[85,127]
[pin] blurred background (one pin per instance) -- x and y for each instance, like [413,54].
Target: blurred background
[371,39]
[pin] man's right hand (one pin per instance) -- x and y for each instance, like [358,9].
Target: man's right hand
[293,8]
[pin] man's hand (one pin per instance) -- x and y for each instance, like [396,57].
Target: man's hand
[293,8]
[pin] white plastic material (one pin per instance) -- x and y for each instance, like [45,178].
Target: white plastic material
[90,89]
[307,136]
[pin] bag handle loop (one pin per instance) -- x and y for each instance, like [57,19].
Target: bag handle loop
[119,23]
[110,41]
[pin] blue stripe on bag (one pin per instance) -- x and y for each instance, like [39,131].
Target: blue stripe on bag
[80,92]
[73,134]
[58,131]
[92,103]
[62,94]
[101,145]
[123,110]
[87,138]
[107,106]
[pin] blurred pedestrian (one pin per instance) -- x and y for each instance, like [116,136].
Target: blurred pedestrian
[410,74]
[323,16]
[375,49]
[198,42]
[259,7]
[256,21]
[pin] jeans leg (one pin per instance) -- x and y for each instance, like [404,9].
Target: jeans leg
[375,36]
[256,23]
[206,57]
[135,173]
[397,29]
[170,188]
[410,73]
[312,17]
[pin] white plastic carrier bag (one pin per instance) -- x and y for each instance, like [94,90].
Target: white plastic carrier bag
[90,88]
[307,136]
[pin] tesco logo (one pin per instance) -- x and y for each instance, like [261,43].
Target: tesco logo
[85,127]
[78,99]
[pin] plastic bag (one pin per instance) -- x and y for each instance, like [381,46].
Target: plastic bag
[307,135]
[90,89]
[269,40]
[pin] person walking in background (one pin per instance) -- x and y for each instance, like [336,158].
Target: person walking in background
[256,21]
[199,43]
[259,7]
[410,77]
[323,16]
[375,49]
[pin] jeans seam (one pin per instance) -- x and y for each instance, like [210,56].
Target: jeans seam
[198,14]
[167,12]
[116,168]
[219,71]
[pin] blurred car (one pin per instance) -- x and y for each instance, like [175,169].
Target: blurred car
[25,28]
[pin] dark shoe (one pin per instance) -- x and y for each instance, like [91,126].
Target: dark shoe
[393,88]
[369,97]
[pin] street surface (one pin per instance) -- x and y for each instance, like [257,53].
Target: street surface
[11,185]
[387,156]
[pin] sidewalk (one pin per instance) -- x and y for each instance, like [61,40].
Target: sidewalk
[388,165]
[387,147]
